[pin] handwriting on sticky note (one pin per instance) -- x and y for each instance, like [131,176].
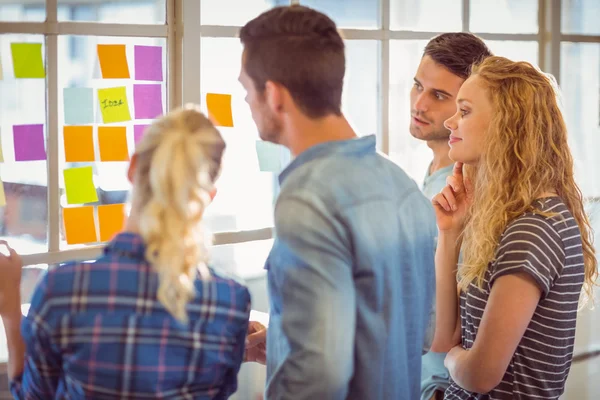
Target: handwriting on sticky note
[79,185]
[29,142]
[79,143]
[113,105]
[111,219]
[112,141]
[78,106]
[80,227]
[148,63]
[219,109]
[113,61]
[269,156]
[147,101]
[27,60]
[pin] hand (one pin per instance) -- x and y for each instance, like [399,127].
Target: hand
[453,202]
[256,343]
[10,284]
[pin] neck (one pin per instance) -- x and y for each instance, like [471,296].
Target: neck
[441,159]
[305,133]
[132,222]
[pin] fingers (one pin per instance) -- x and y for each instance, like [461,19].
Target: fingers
[458,170]
[455,183]
[254,339]
[446,199]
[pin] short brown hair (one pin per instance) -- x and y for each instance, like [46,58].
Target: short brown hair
[457,52]
[301,49]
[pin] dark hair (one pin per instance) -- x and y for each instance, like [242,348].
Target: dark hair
[457,52]
[301,49]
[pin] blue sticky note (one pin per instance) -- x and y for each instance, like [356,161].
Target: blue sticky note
[79,106]
[269,156]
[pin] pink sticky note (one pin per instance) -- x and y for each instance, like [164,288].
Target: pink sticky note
[29,142]
[147,101]
[148,63]
[138,132]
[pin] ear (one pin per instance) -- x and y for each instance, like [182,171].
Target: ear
[132,168]
[274,96]
[213,193]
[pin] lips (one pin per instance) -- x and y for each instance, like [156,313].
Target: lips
[454,139]
[419,121]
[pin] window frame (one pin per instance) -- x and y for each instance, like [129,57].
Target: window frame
[183,32]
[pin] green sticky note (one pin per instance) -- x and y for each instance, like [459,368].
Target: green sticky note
[269,156]
[113,104]
[27,60]
[79,185]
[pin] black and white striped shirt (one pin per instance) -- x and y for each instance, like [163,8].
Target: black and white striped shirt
[550,250]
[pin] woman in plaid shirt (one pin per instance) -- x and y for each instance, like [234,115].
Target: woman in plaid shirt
[149,318]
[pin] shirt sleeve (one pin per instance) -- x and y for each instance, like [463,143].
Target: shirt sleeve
[530,245]
[43,363]
[318,304]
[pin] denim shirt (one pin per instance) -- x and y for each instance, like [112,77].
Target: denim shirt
[350,277]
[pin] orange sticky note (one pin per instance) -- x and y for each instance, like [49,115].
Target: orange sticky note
[79,225]
[79,143]
[113,61]
[111,218]
[219,109]
[112,141]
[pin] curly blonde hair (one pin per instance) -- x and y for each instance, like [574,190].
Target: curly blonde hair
[178,161]
[526,154]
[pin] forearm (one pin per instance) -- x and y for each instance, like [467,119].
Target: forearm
[469,371]
[15,344]
[447,311]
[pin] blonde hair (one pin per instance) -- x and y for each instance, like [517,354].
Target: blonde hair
[178,161]
[526,154]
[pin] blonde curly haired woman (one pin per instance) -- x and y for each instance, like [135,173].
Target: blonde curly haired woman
[149,318]
[528,251]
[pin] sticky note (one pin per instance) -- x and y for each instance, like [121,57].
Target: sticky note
[113,104]
[138,132]
[27,60]
[147,101]
[1,151]
[79,185]
[112,141]
[219,109]
[111,218]
[2,195]
[79,223]
[79,143]
[79,106]
[269,156]
[29,142]
[113,61]
[148,63]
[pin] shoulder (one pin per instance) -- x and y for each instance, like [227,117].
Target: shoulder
[229,288]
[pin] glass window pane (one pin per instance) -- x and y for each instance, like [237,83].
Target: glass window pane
[514,50]
[79,68]
[349,13]
[114,11]
[411,154]
[24,218]
[234,12]
[14,10]
[581,17]
[580,80]
[426,15]
[504,16]
[246,260]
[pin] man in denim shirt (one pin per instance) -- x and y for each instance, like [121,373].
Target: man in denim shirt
[445,65]
[350,275]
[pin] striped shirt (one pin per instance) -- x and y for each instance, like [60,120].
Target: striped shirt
[97,331]
[549,249]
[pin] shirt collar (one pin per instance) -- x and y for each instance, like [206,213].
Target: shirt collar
[361,145]
[127,242]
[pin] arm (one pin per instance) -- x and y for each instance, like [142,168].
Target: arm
[447,316]
[511,305]
[318,303]
[15,344]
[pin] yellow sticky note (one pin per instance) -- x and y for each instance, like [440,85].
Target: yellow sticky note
[1,151]
[79,225]
[79,185]
[2,196]
[79,143]
[27,60]
[112,141]
[219,109]
[113,61]
[113,104]
[111,218]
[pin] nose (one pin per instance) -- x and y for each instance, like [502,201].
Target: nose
[450,123]
[421,102]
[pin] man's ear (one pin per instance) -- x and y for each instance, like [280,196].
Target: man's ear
[274,96]
[132,168]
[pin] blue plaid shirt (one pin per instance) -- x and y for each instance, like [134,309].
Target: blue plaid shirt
[96,330]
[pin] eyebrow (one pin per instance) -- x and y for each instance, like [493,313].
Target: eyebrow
[461,100]
[435,90]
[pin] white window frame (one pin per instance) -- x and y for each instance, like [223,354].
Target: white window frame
[183,32]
